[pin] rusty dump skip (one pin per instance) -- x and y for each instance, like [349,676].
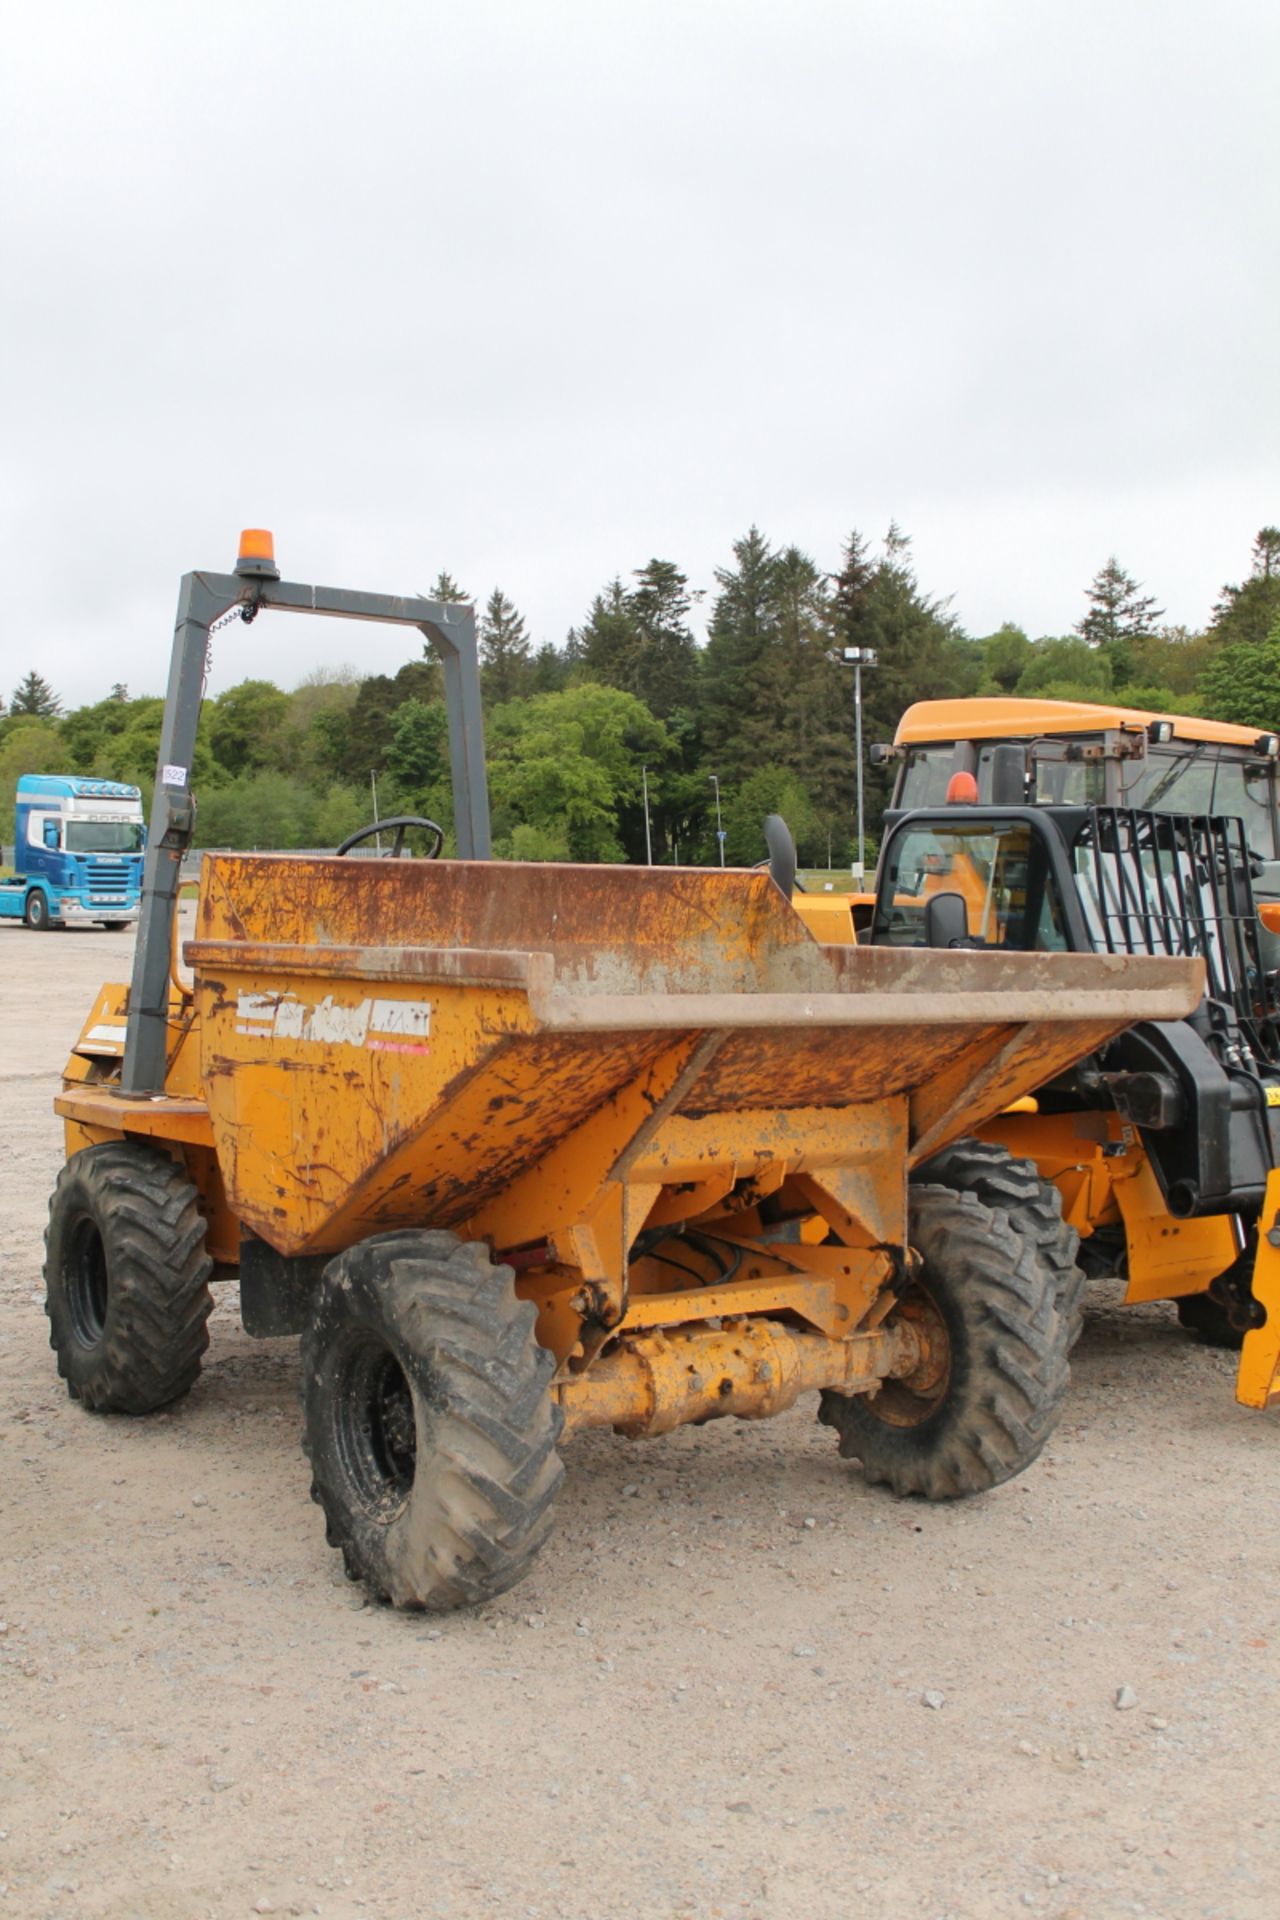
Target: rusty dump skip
[385,1043]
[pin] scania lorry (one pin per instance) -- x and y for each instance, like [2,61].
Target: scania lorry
[78,846]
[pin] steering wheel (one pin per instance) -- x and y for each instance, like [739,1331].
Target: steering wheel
[399,824]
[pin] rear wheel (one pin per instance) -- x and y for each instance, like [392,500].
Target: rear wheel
[1033,1207]
[126,1279]
[428,1420]
[37,914]
[981,1407]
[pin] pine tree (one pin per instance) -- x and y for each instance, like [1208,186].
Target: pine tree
[505,666]
[119,691]
[549,669]
[801,717]
[35,696]
[850,596]
[667,653]
[1247,613]
[921,652]
[447,589]
[1119,613]
[607,646]
[743,625]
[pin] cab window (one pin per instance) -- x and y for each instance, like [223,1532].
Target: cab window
[925,776]
[1000,871]
[1209,780]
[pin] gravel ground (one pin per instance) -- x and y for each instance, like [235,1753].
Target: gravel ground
[739,1683]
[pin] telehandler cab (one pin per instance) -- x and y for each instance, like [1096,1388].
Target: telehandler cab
[524,1149]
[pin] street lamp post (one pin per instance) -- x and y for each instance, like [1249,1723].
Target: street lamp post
[373,782]
[858,658]
[648,836]
[719,829]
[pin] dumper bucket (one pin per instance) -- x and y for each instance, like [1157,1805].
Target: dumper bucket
[391,1043]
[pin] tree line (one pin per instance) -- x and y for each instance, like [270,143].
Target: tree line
[757,717]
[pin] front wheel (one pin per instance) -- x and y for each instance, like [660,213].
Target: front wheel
[37,915]
[428,1420]
[114,926]
[989,1395]
[126,1278]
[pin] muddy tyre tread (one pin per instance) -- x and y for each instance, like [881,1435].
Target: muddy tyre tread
[1033,1206]
[487,1468]
[154,1334]
[1009,1369]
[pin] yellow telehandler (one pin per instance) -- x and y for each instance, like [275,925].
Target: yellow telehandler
[1164,834]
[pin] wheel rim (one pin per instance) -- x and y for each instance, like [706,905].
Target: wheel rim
[375,1427]
[914,1399]
[87,1285]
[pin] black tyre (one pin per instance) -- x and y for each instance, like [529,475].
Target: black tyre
[1033,1206]
[114,926]
[986,1407]
[428,1420]
[36,913]
[126,1279]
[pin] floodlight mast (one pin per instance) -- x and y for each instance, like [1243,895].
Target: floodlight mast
[858,658]
[203,600]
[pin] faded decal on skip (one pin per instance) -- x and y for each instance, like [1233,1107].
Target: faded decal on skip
[380,1026]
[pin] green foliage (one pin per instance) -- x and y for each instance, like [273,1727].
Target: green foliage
[569,764]
[417,763]
[1242,684]
[1171,657]
[359,739]
[89,733]
[1248,613]
[770,789]
[1066,662]
[315,723]
[274,810]
[244,726]
[30,746]
[1006,655]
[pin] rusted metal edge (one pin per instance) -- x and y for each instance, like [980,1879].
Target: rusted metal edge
[596,1013]
[439,966]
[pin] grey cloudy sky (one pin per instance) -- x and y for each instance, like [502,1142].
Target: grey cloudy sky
[534,292]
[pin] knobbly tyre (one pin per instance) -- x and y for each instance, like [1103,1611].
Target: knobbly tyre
[520,1150]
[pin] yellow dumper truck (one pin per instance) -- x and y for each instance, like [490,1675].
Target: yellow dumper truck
[520,1150]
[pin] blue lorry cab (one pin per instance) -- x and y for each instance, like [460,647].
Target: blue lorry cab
[78,848]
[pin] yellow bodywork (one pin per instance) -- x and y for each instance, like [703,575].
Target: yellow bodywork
[579,1066]
[1009,718]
